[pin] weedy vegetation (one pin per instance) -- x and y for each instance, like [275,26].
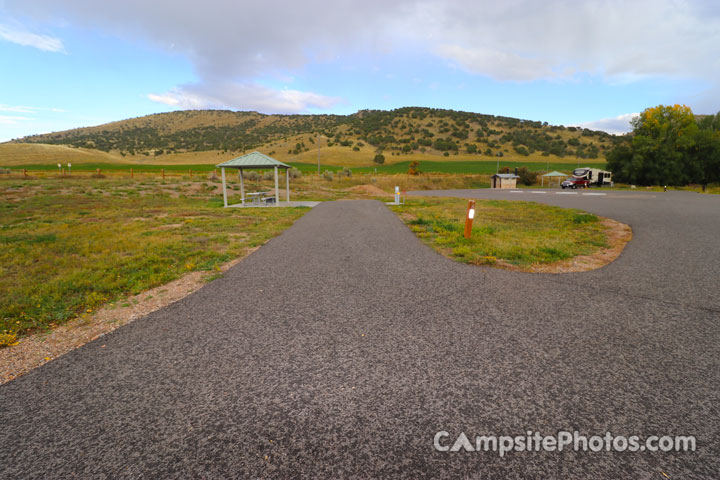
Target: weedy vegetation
[67,247]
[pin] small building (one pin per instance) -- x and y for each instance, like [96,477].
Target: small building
[504,180]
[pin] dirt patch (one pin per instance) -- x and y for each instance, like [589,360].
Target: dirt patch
[32,351]
[369,190]
[618,235]
[169,226]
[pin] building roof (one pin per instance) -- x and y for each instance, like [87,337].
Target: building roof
[253,160]
[505,175]
[556,174]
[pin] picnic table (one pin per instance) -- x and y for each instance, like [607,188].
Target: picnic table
[258,197]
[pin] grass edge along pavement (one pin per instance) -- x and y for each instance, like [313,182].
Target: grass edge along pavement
[516,235]
[68,248]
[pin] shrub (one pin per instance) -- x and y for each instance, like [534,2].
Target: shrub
[522,150]
[345,172]
[414,170]
[526,176]
[252,176]
[268,175]
[294,173]
[4,171]
[379,159]
[328,175]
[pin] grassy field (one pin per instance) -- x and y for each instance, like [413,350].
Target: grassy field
[504,233]
[478,167]
[68,247]
[13,154]
[31,156]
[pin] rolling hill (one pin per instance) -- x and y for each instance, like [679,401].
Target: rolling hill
[411,133]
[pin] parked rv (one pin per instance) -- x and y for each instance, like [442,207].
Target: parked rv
[585,177]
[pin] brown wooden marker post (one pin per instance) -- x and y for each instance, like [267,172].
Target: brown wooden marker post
[469,218]
[190,170]
[131,173]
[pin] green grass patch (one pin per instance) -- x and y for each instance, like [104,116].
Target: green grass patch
[68,248]
[516,233]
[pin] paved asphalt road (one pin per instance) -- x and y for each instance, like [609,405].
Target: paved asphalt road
[341,347]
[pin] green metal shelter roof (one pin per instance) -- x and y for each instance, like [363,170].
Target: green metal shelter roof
[253,160]
[556,174]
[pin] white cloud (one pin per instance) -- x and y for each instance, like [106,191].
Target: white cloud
[15,109]
[26,109]
[623,41]
[498,64]
[11,119]
[615,125]
[241,43]
[243,96]
[28,39]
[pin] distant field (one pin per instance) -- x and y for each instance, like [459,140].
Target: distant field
[12,154]
[458,167]
[29,155]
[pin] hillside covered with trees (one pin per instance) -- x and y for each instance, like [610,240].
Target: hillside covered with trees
[397,132]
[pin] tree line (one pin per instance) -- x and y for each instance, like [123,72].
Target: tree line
[669,146]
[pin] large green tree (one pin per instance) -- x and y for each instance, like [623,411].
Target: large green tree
[668,147]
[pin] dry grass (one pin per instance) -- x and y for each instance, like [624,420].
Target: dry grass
[12,154]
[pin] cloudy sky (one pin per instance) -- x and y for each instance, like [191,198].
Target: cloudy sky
[71,63]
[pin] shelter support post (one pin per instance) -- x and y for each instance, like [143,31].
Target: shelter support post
[224,186]
[287,184]
[277,188]
[242,187]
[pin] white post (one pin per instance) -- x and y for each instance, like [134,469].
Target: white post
[287,184]
[242,187]
[222,169]
[277,188]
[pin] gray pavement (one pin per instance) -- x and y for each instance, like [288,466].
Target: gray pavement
[341,347]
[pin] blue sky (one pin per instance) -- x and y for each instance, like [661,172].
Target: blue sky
[72,63]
